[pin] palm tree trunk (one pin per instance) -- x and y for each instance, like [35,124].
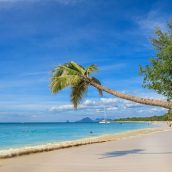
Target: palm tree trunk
[152,102]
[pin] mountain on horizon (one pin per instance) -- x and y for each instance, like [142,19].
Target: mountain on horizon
[86,119]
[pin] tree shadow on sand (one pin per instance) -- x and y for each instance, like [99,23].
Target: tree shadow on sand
[129,152]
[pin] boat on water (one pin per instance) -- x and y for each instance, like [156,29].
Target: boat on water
[104,121]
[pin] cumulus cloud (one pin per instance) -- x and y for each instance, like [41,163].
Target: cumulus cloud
[110,104]
[97,105]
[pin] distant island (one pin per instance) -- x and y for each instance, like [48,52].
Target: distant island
[85,120]
[165,117]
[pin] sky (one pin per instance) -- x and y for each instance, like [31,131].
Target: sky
[38,35]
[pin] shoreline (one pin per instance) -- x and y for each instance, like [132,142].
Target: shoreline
[15,152]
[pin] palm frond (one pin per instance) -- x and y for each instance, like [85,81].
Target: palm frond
[61,82]
[77,67]
[97,82]
[64,76]
[91,69]
[78,92]
[58,71]
[65,69]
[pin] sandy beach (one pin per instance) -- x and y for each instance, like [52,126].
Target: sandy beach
[148,152]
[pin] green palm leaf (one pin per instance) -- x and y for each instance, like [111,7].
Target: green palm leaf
[97,82]
[91,69]
[78,92]
[61,82]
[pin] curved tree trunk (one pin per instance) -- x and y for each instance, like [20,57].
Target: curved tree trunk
[152,102]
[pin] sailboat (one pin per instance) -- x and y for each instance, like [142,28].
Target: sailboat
[104,121]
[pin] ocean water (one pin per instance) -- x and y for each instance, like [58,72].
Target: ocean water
[14,135]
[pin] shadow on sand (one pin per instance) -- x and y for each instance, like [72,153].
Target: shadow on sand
[129,152]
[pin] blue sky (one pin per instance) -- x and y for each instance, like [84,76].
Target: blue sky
[37,35]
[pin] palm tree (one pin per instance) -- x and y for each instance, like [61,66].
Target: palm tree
[78,78]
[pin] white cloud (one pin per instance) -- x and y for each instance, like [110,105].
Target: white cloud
[89,102]
[91,107]
[152,20]
[111,104]
[109,100]
[62,107]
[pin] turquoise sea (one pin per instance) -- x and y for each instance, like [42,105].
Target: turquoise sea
[14,135]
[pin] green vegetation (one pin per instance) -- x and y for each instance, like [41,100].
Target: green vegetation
[165,117]
[158,74]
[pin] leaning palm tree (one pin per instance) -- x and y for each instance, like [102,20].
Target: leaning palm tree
[78,78]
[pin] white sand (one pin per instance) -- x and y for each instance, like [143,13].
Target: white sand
[142,153]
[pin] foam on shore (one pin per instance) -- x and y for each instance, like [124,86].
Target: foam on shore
[9,153]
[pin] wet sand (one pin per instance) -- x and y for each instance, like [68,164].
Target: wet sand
[151,151]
